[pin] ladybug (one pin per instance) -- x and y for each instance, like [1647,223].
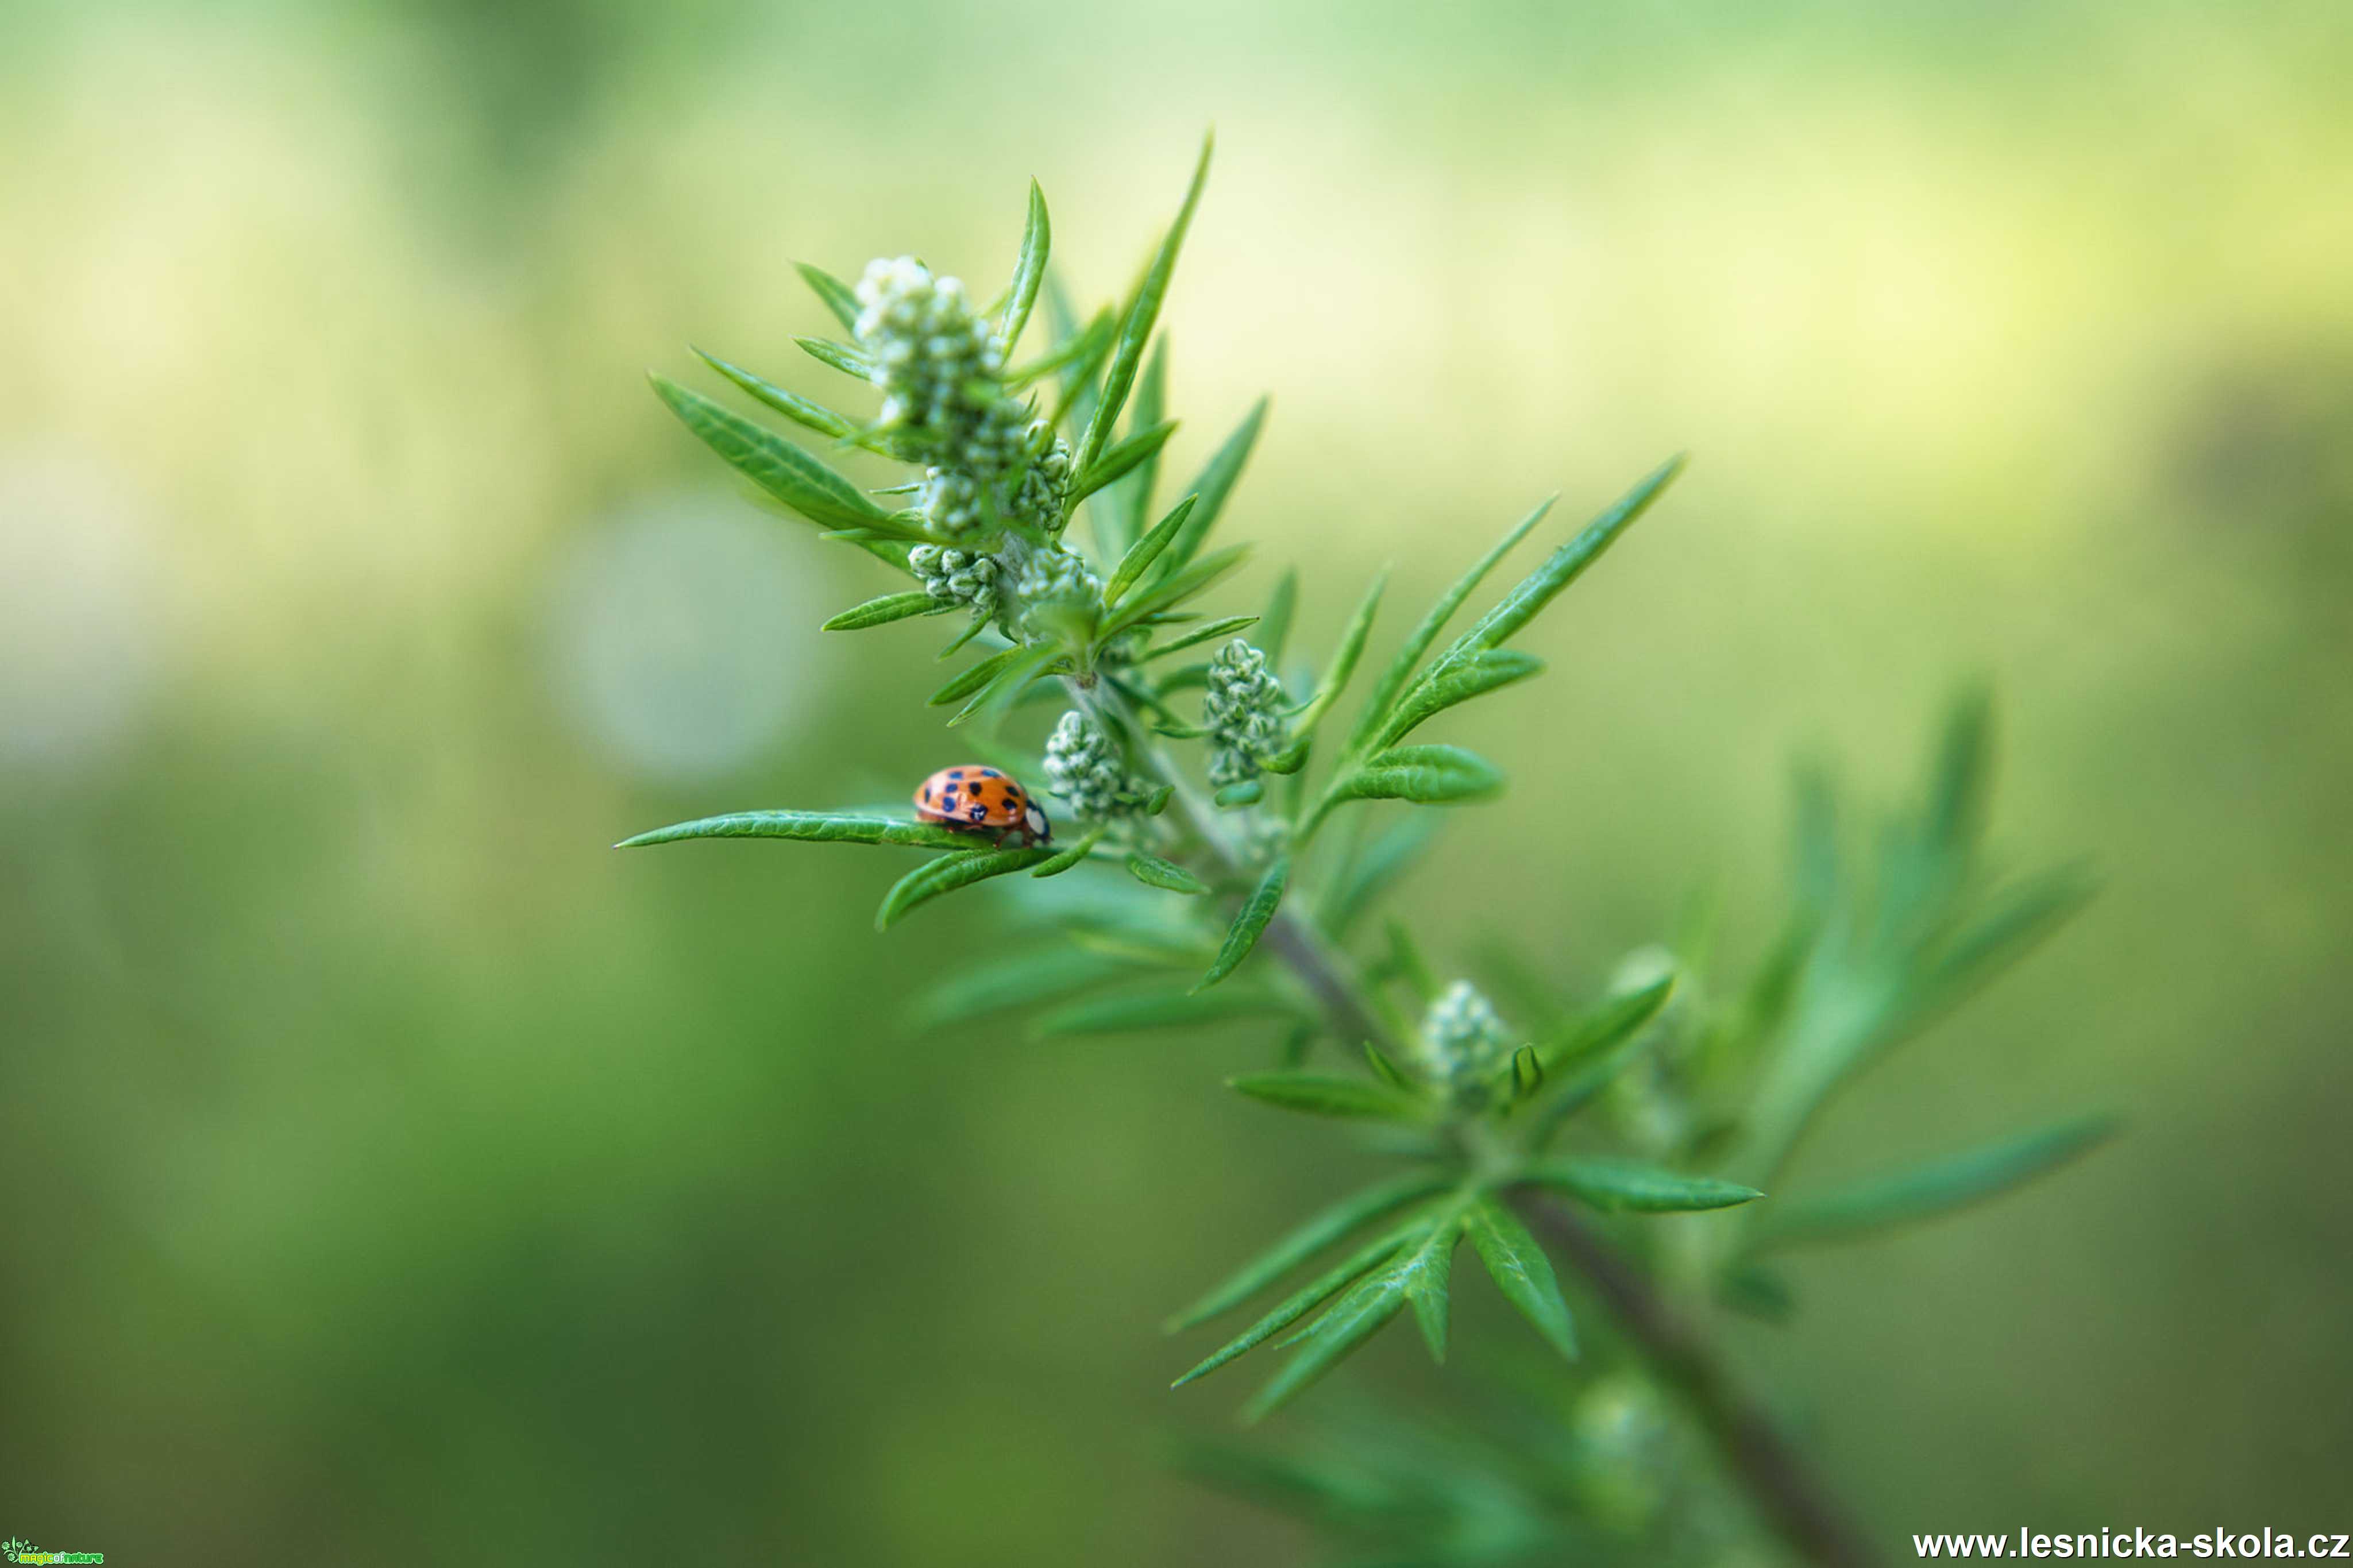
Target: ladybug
[974,799]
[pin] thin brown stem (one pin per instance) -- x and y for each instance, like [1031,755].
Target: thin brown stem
[1783,1485]
[1778,1479]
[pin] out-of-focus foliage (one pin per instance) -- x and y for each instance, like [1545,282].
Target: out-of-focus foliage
[395,1173]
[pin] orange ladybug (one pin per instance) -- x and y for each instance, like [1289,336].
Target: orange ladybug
[974,799]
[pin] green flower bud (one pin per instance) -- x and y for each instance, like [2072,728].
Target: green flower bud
[1058,591]
[936,358]
[1084,768]
[1243,709]
[956,576]
[1464,1043]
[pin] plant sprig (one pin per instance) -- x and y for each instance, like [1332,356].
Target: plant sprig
[1227,867]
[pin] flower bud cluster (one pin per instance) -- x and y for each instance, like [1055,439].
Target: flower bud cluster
[1463,1043]
[1083,767]
[936,358]
[942,371]
[1243,709]
[956,576]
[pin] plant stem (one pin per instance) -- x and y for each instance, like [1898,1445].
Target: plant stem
[1781,1483]
[1784,1488]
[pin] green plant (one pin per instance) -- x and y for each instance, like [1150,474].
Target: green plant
[1239,881]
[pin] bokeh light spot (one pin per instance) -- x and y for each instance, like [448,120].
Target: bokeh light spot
[683,636]
[79,635]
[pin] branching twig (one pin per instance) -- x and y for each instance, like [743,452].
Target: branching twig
[1780,1483]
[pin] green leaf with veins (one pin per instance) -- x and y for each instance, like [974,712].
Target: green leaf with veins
[1631,1184]
[1522,1272]
[1929,1191]
[1136,323]
[1250,923]
[772,463]
[838,297]
[1146,550]
[948,874]
[811,826]
[1323,1094]
[1327,1229]
[889,607]
[1028,270]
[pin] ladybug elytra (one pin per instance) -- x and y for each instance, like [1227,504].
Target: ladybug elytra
[974,799]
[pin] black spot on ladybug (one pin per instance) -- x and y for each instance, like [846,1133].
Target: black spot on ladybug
[978,812]
[955,773]
[990,773]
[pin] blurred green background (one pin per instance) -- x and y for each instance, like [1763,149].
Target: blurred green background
[394,1173]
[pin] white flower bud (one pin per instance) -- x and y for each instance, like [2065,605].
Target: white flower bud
[1243,707]
[1083,767]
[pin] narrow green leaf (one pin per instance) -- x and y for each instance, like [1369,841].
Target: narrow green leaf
[838,297]
[1522,1272]
[1214,485]
[1632,1185]
[1154,872]
[2021,919]
[1592,1032]
[843,357]
[1426,1284]
[791,404]
[972,628]
[1169,591]
[1211,632]
[1333,1224]
[1074,855]
[1579,1083]
[1248,792]
[1402,666]
[1427,775]
[1322,1094]
[1004,688]
[948,874]
[1449,685]
[1250,923]
[1307,1297]
[971,679]
[772,463]
[1387,1070]
[1146,550]
[1136,324]
[1407,963]
[1353,1319]
[889,607]
[1123,459]
[1078,353]
[1564,566]
[1527,1072]
[1172,1007]
[1079,379]
[1365,877]
[1343,661]
[1274,627]
[1028,270]
[1963,778]
[1929,1191]
[812,826]
[1131,502]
